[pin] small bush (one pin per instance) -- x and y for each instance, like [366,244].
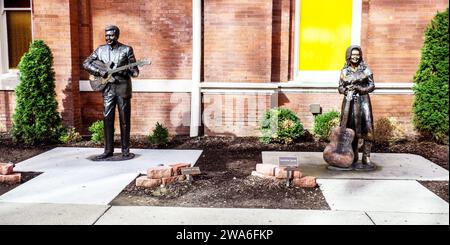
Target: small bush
[430,108]
[280,125]
[388,130]
[324,123]
[70,136]
[96,130]
[36,119]
[160,135]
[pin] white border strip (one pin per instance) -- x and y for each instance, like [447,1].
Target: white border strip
[149,85]
[227,85]
[3,41]
[196,103]
[296,38]
[356,22]
[9,81]
[239,91]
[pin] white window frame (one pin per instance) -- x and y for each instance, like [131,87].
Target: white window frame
[329,77]
[4,62]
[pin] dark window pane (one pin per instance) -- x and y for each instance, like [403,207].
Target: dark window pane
[17,4]
[19,35]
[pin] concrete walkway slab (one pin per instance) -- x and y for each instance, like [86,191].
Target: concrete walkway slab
[49,214]
[97,185]
[141,215]
[390,218]
[381,195]
[70,178]
[68,158]
[391,166]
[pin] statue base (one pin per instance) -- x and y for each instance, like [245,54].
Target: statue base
[114,157]
[359,166]
[334,168]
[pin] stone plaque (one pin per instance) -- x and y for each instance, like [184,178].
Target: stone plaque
[191,171]
[287,161]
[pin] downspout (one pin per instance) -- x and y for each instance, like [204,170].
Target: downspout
[196,67]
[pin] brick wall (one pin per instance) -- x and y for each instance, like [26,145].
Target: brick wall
[234,114]
[85,30]
[244,41]
[237,40]
[396,106]
[299,103]
[393,34]
[158,30]
[7,106]
[56,22]
[170,109]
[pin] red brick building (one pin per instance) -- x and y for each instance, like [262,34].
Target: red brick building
[220,63]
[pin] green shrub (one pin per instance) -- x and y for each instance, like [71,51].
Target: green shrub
[70,136]
[96,130]
[160,135]
[36,119]
[430,108]
[280,125]
[388,130]
[324,123]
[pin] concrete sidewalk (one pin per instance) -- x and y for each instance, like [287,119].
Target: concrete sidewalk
[73,214]
[71,178]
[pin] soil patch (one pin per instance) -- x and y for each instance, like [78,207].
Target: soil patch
[439,188]
[221,190]
[26,176]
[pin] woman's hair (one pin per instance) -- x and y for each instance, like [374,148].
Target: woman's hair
[348,55]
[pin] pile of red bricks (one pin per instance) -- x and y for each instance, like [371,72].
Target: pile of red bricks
[7,175]
[275,172]
[162,175]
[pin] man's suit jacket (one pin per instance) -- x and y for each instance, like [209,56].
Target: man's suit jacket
[120,55]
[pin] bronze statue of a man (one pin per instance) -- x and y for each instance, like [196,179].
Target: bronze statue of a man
[357,76]
[117,91]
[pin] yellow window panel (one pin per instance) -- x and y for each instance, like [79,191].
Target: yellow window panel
[325,33]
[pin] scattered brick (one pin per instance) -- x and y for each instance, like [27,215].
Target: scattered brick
[14,178]
[260,175]
[159,172]
[169,180]
[305,182]
[146,182]
[176,168]
[266,169]
[280,173]
[6,168]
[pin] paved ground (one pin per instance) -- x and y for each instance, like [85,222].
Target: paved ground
[395,166]
[70,178]
[74,190]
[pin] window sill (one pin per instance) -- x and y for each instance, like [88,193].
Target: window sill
[9,81]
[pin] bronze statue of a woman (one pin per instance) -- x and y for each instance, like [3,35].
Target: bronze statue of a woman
[358,78]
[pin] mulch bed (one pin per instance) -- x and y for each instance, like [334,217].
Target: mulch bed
[226,164]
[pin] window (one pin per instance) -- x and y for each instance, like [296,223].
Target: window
[324,30]
[15,18]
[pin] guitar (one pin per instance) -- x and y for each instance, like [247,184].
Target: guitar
[99,83]
[339,151]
